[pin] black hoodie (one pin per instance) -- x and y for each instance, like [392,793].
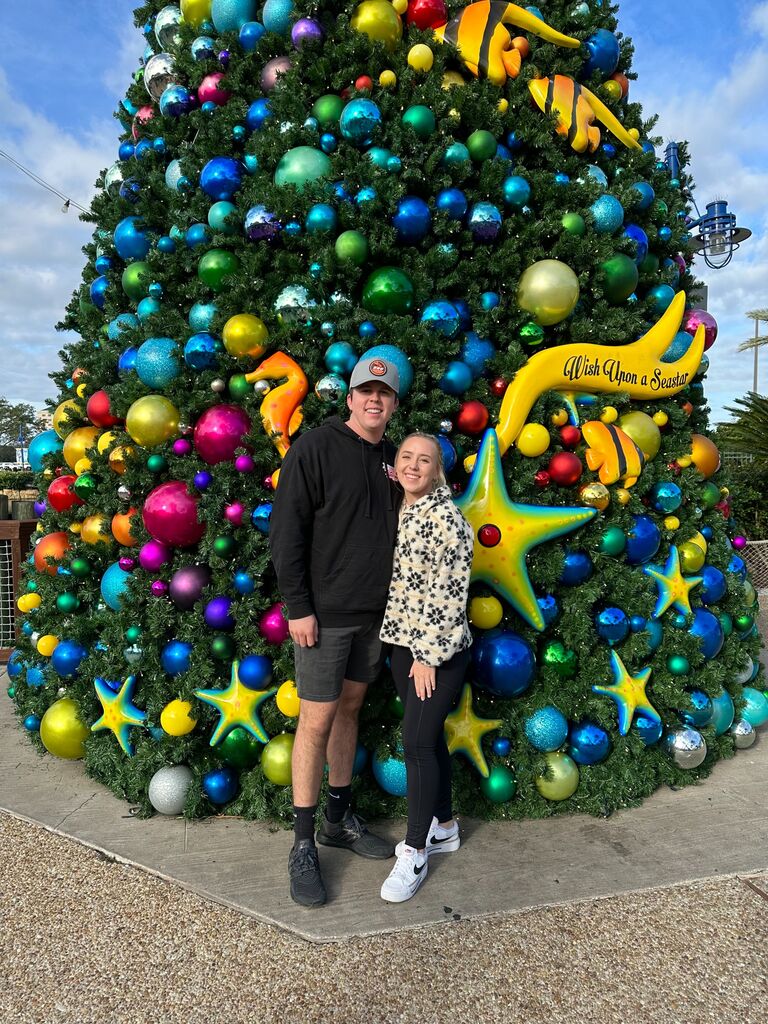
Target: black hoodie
[333,526]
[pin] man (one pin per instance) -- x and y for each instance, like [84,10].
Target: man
[332,540]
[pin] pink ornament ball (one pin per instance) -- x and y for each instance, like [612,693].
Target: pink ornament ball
[244,464]
[170,515]
[273,625]
[159,588]
[127,564]
[220,431]
[154,555]
[273,68]
[209,92]
[739,543]
[234,513]
[143,116]
[680,261]
[693,318]
[188,584]
[181,446]
[267,481]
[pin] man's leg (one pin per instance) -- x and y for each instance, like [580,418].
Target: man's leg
[316,725]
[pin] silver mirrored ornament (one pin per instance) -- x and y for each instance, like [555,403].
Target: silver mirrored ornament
[124,493]
[687,747]
[745,673]
[167,26]
[331,388]
[743,734]
[133,654]
[262,387]
[218,385]
[159,74]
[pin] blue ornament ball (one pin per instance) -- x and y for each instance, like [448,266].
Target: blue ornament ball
[637,623]
[713,585]
[321,218]
[15,665]
[723,712]
[276,16]
[442,317]
[361,760]
[35,676]
[244,582]
[202,351]
[255,671]
[221,784]
[476,352]
[127,362]
[250,34]
[666,497]
[484,222]
[709,631]
[452,202]
[174,102]
[98,291]
[517,191]
[131,240]
[546,729]
[32,723]
[392,354]
[221,177]
[588,743]
[577,568]
[489,300]
[202,48]
[643,540]
[258,113]
[66,658]
[412,220]
[166,245]
[114,584]
[648,729]
[340,358]
[157,362]
[231,15]
[504,663]
[390,774]
[260,517]
[645,195]
[639,239]
[603,47]
[42,445]
[737,565]
[147,308]
[501,746]
[125,152]
[597,174]
[450,457]
[457,378]
[612,625]
[197,234]
[175,656]
[359,120]
[698,711]
[122,322]
[660,298]
[607,214]
[549,608]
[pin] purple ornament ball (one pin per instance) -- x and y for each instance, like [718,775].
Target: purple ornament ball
[188,584]
[244,464]
[154,555]
[181,447]
[273,625]
[306,31]
[273,68]
[739,543]
[159,588]
[127,564]
[219,431]
[40,508]
[217,613]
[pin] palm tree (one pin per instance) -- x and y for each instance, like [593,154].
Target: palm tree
[759,316]
[748,432]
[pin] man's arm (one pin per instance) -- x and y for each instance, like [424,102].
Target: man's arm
[290,535]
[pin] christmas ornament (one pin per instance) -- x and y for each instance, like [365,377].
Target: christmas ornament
[549,290]
[588,743]
[62,732]
[629,694]
[170,515]
[390,773]
[546,729]
[687,748]
[187,586]
[504,664]
[119,713]
[276,759]
[560,779]
[500,785]
[464,731]
[674,588]
[176,718]
[168,789]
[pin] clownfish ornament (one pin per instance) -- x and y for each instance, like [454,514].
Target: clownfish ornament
[576,108]
[613,452]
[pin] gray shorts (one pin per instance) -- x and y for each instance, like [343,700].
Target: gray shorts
[342,652]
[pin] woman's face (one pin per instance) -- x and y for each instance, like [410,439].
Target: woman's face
[416,467]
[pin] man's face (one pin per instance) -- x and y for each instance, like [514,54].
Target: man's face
[371,406]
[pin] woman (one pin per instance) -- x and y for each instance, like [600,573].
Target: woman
[426,623]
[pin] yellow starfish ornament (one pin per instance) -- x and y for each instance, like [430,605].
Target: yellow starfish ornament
[237,706]
[629,693]
[464,731]
[118,712]
[674,588]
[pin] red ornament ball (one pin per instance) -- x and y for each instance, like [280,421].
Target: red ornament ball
[472,417]
[364,82]
[570,436]
[489,535]
[427,13]
[61,497]
[542,479]
[99,410]
[499,387]
[565,468]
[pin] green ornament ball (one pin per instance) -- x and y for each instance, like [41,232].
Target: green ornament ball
[421,119]
[239,749]
[352,246]
[743,623]
[222,648]
[500,786]
[560,658]
[388,290]
[619,277]
[157,463]
[216,266]
[395,706]
[80,567]
[560,779]
[328,110]
[11,692]
[32,585]
[709,496]
[750,594]
[650,265]
[613,541]
[239,387]
[302,165]
[84,486]
[67,603]
[660,207]
[678,665]
[136,280]
[224,546]
[574,224]
[532,333]
[726,621]
[132,634]
[481,145]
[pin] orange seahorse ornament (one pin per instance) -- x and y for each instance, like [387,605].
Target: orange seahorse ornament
[281,409]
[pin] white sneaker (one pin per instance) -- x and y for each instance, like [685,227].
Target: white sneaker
[406,876]
[439,840]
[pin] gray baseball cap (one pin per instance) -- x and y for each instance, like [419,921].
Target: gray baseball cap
[371,369]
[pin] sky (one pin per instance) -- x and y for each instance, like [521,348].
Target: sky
[65,66]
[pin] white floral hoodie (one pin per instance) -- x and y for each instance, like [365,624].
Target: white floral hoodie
[427,605]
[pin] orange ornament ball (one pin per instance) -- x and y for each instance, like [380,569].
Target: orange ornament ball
[121,528]
[55,546]
[705,455]
[523,47]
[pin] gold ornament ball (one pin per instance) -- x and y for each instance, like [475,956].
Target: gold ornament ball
[692,558]
[612,90]
[80,390]
[91,530]
[106,441]
[152,420]
[596,495]
[118,458]
[549,291]
[276,759]
[503,105]
[704,455]
[699,540]
[27,602]
[64,415]
[83,465]
[387,79]
[401,6]
[77,444]
[609,414]
[62,732]
[671,523]
[533,440]
[684,461]
[643,431]
[245,336]
[176,718]
[485,612]
[47,644]
[559,418]
[452,78]
[287,699]
[420,57]
[379,21]
[561,778]
[195,12]
[76,527]
[660,418]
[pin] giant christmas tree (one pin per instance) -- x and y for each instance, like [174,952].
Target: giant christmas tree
[470,192]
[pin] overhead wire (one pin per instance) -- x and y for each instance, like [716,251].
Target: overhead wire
[43,183]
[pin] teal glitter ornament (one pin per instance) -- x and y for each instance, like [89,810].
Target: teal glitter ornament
[546,729]
[607,215]
[157,362]
[390,774]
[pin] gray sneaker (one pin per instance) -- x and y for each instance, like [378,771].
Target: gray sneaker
[307,887]
[351,833]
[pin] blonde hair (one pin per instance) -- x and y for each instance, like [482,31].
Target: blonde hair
[440,479]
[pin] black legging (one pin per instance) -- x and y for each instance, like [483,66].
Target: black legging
[427,760]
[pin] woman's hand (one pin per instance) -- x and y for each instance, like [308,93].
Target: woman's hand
[423,678]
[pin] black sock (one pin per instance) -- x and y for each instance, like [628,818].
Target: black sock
[304,822]
[337,804]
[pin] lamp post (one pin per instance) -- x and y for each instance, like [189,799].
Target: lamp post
[756,343]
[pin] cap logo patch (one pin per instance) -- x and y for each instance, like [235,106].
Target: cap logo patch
[377,368]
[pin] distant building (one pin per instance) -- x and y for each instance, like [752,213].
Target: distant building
[45,419]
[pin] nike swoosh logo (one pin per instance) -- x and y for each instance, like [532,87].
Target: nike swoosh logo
[434,841]
[418,870]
